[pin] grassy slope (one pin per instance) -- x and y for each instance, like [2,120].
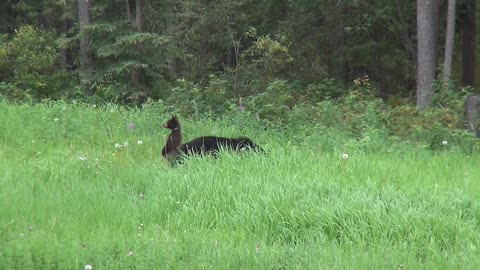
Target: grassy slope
[69,198]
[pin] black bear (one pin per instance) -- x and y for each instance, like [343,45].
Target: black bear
[175,150]
[212,145]
[174,139]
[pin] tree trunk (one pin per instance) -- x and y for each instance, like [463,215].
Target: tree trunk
[426,51]
[86,59]
[472,114]
[129,10]
[336,60]
[173,62]
[67,52]
[139,24]
[468,45]
[140,15]
[449,43]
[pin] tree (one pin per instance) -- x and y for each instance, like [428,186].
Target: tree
[336,46]
[426,51]
[449,42]
[139,25]
[67,25]
[468,43]
[86,59]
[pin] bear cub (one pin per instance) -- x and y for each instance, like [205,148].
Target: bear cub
[174,139]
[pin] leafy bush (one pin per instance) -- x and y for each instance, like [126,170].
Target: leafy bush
[192,99]
[32,65]
[274,104]
[326,88]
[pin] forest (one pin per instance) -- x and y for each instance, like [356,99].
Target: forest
[362,116]
[114,49]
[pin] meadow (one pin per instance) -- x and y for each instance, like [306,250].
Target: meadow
[84,185]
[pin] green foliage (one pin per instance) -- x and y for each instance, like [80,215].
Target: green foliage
[192,99]
[323,89]
[444,121]
[268,56]
[32,66]
[120,50]
[274,104]
[260,65]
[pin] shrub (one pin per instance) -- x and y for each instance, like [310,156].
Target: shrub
[33,66]
[192,99]
[274,104]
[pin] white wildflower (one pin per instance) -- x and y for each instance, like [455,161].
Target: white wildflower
[55,119]
[125,144]
[130,254]
[118,146]
[139,142]
[88,267]
[345,156]
[82,158]
[444,142]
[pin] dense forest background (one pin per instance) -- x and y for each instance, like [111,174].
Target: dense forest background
[209,56]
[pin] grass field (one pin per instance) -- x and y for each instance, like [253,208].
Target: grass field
[69,198]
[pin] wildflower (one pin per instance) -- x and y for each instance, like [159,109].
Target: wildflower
[112,110]
[444,142]
[55,119]
[139,142]
[141,195]
[22,235]
[82,158]
[345,156]
[130,253]
[94,105]
[131,126]
[125,144]
[118,146]
[88,267]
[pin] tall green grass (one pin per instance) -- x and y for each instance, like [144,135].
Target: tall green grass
[70,198]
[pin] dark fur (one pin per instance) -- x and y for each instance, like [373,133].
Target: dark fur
[174,140]
[212,145]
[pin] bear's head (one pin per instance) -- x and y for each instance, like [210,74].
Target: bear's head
[172,123]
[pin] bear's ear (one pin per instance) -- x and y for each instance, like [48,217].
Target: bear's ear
[174,117]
